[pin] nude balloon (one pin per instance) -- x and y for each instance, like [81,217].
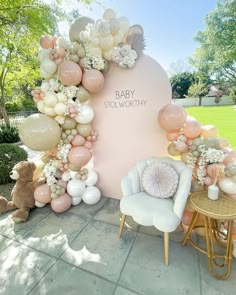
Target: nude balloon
[79,156]
[69,73]
[61,204]
[172,135]
[78,140]
[42,194]
[192,128]
[230,158]
[46,42]
[93,80]
[172,117]
[209,131]
[39,132]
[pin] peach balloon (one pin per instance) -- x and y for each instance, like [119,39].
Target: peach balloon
[212,169]
[46,42]
[93,80]
[209,131]
[62,183]
[42,194]
[192,128]
[69,73]
[78,140]
[172,117]
[88,144]
[230,158]
[61,204]
[187,217]
[79,156]
[172,135]
[208,180]
[232,196]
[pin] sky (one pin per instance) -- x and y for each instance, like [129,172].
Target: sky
[169,25]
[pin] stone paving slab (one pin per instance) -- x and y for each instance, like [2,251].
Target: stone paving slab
[122,291]
[21,268]
[65,279]
[4,242]
[105,253]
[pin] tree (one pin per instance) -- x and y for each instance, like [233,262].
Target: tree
[216,54]
[180,84]
[198,89]
[22,23]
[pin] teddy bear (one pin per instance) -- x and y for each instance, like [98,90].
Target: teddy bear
[23,192]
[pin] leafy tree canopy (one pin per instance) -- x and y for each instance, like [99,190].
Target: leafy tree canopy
[180,84]
[216,55]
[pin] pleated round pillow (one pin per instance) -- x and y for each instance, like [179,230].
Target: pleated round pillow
[160,180]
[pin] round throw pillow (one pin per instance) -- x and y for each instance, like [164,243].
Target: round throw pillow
[160,180]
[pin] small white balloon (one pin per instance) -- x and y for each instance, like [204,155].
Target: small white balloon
[75,188]
[43,53]
[109,13]
[39,205]
[76,201]
[92,195]
[48,66]
[50,99]
[49,111]
[45,86]
[85,115]
[92,178]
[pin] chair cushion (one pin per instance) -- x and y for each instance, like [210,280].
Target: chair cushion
[160,180]
[149,211]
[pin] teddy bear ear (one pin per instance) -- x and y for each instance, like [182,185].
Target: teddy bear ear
[32,165]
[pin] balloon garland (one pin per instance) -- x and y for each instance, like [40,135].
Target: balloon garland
[71,71]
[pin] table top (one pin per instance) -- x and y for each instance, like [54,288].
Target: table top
[224,208]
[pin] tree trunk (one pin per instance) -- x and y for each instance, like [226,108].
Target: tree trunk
[3,113]
[200,100]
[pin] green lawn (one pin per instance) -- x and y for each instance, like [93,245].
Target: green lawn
[223,117]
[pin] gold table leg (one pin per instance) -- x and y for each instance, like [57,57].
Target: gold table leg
[191,226]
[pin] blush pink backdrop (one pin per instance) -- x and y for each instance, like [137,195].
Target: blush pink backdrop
[130,133]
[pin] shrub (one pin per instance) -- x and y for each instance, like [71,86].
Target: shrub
[13,106]
[8,134]
[10,155]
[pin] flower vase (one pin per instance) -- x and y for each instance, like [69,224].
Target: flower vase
[213,192]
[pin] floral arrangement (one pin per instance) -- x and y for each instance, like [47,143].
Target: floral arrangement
[72,70]
[209,156]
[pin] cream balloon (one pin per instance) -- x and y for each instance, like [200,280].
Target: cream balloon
[85,115]
[60,108]
[227,185]
[84,129]
[78,25]
[107,54]
[49,111]
[114,26]
[91,195]
[48,66]
[50,99]
[92,178]
[109,13]
[43,54]
[40,132]
[39,205]
[106,42]
[69,123]
[45,75]
[40,106]
[82,94]
[118,38]
[61,97]
[75,188]
[124,24]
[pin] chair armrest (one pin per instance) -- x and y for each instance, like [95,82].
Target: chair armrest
[130,184]
[182,193]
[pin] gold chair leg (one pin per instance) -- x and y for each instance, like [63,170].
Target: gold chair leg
[122,223]
[166,247]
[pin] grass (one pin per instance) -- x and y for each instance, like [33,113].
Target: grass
[223,117]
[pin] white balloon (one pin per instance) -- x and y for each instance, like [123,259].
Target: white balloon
[76,201]
[107,54]
[61,97]
[109,13]
[45,86]
[92,178]
[92,195]
[75,188]
[104,28]
[60,108]
[50,99]
[124,24]
[43,53]
[227,185]
[118,38]
[48,66]
[45,75]
[106,42]
[40,106]
[62,42]
[49,111]
[86,115]
[114,26]
[39,205]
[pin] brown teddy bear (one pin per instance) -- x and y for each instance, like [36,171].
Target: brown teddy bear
[22,193]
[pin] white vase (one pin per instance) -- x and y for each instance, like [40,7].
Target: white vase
[213,192]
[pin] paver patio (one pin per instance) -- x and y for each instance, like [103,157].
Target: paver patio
[78,252]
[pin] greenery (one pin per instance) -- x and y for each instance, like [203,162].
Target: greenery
[198,89]
[223,117]
[22,24]
[180,84]
[216,55]
[9,134]
[10,155]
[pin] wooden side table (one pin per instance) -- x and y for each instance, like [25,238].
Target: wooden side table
[222,209]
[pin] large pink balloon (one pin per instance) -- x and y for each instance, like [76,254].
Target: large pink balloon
[61,204]
[192,128]
[209,131]
[79,156]
[230,158]
[172,117]
[69,73]
[42,194]
[93,80]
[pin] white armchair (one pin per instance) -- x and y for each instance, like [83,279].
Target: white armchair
[164,214]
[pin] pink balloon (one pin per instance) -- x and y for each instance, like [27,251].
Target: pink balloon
[69,73]
[172,135]
[208,180]
[46,42]
[79,156]
[81,63]
[93,80]
[62,183]
[42,194]
[88,144]
[78,140]
[172,117]
[209,131]
[234,226]
[61,204]
[187,217]
[211,170]
[181,146]
[230,158]
[192,128]
[232,196]
[61,52]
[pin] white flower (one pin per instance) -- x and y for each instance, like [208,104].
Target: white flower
[63,150]
[124,55]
